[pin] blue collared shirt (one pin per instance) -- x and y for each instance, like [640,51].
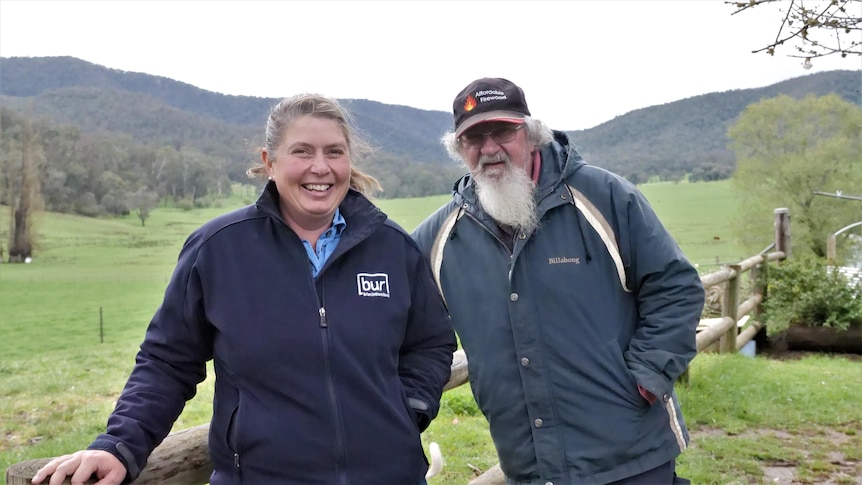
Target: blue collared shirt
[325,244]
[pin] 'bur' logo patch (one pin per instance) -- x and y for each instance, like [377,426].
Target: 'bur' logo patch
[373,284]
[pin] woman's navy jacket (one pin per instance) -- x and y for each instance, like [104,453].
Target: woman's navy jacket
[325,380]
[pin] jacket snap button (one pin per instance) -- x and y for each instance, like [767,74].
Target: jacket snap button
[525,361]
[550,483]
[538,422]
[513,297]
[522,236]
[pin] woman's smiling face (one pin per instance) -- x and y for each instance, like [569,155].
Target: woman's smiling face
[311,169]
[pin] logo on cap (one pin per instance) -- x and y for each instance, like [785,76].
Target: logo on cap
[488,99]
[470,103]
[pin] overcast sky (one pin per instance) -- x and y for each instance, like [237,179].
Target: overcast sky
[580,62]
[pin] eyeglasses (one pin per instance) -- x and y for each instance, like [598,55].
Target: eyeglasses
[501,134]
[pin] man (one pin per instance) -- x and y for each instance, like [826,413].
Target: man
[576,308]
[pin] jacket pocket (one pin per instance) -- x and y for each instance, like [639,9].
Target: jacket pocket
[233,430]
[624,378]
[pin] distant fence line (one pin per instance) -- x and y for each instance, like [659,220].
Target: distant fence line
[183,457]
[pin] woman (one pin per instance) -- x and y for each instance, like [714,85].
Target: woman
[331,344]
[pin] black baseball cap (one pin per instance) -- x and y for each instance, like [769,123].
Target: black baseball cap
[489,99]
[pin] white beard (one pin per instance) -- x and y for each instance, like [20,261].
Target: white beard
[509,197]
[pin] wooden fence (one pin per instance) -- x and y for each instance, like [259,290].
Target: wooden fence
[183,457]
[733,329]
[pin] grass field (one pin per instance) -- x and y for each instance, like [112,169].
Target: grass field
[698,215]
[71,322]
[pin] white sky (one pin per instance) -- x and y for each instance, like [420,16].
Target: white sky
[579,62]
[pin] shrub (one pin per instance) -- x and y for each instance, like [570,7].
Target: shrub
[203,202]
[185,204]
[460,404]
[804,291]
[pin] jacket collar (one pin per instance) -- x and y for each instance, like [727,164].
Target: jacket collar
[361,215]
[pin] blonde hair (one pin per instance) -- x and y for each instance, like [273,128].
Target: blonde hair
[295,107]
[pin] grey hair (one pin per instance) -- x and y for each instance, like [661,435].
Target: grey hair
[295,107]
[538,134]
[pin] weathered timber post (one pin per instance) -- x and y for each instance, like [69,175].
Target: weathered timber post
[755,279]
[493,476]
[730,309]
[782,231]
[758,278]
[458,373]
[685,377]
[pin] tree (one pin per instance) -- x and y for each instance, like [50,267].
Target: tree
[829,27]
[143,201]
[24,191]
[787,149]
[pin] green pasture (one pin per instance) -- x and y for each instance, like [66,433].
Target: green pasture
[699,216]
[98,281]
[72,319]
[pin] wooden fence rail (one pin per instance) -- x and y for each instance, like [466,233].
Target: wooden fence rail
[183,457]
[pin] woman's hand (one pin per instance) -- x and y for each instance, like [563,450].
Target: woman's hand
[80,466]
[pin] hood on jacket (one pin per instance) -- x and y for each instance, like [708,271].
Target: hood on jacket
[561,149]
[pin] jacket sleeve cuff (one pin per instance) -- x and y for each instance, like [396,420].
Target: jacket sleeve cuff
[650,397]
[121,452]
[651,382]
[420,413]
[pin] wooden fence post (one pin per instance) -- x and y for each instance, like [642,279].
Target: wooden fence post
[759,276]
[782,231]
[730,308]
[756,280]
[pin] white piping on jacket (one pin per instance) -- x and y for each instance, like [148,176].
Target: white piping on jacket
[674,424]
[604,230]
[443,234]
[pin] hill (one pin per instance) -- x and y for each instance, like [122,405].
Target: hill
[179,140]
[689,135]
[62,89]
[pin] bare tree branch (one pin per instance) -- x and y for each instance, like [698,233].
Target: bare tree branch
[831,27]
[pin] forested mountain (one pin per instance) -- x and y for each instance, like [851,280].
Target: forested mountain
[51,82]
[100,135]
[689,136]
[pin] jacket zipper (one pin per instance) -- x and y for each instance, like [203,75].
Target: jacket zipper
[341,453]
[492,233]
[233,441]
[323,323]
